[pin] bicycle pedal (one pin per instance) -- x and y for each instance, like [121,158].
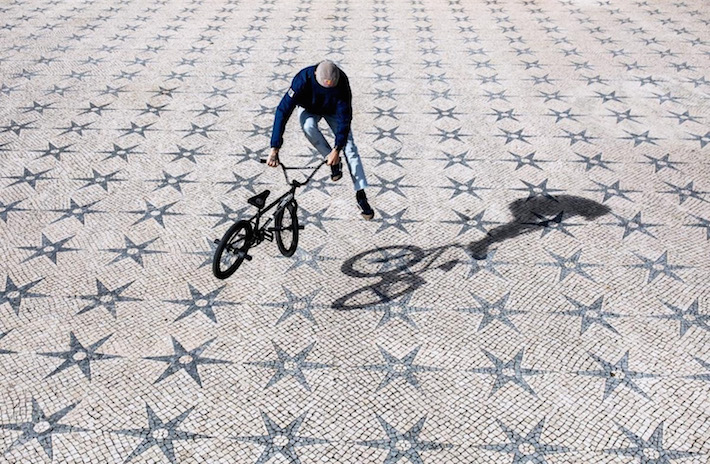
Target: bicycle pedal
[247,257]
[301,227]
[216,241]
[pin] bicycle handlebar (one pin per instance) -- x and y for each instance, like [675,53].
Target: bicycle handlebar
[298,184]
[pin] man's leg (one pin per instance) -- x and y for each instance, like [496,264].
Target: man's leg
[357,173]
[309,124]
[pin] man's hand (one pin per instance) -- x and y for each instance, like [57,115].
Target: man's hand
[273,159]
[333,157]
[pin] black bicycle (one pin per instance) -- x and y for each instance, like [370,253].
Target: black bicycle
[234,247]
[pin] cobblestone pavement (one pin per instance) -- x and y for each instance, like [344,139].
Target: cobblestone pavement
[534,287]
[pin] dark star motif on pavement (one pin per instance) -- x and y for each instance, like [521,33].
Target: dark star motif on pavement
[703,224]
[7,208]
[77,211]
[239,181]
[305,218]
[569,265]
[386,134]
[526,448]
[55,151]
[106,298]
[453,159]
[511,136]
[575,137]
[13,295]
[311,259]
[41,428]
[249,154]
[474,222]
[563,115]
[684,117]
[688,191]
[204,131]
[508,371]
[137,129]
[617,374]
[393,157]
[79,355]
[281,441]
[703,139]
[30,178]
[153,212]
[591,314]
[612,190]
[169,180]
[538,190]
[292,366]
[133,251]
[468,187]
[297,305]
[395,220]
[48,248]
[229,215]
[203,303]
[3,335]
[493,311]
[393,185]
[594,161]
[689,317]
[16,127]
[395,308]
[635,224]
[395,368]
[102,180]
[623,116]
[658,266]
[119,152]
[649,451]
[504,114]
[182,359]
[160,434]
[550,224]
[526,160]
[477,263]
[403,445]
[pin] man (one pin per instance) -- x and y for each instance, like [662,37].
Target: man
[323,91]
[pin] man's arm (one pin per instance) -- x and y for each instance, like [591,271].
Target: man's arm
[284,110]
[343,116]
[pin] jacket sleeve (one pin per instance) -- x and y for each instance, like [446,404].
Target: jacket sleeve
[343,116]
[284,110]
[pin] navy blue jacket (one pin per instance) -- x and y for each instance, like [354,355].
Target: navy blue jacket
[305,91]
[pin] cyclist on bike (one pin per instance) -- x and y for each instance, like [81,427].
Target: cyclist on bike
[323,91]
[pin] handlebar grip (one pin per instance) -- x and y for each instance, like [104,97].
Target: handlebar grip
[262,160]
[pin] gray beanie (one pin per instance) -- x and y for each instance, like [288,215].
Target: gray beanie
[327,73]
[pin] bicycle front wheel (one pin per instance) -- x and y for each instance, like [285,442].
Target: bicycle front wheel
[232,249]
[286,229]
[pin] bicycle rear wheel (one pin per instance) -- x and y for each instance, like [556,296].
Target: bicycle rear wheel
[232,249]
[286,229]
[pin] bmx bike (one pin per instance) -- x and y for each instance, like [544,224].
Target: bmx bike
[245,234]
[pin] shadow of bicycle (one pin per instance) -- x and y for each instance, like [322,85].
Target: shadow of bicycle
[399,268]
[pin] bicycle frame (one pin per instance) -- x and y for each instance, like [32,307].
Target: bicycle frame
[263,233]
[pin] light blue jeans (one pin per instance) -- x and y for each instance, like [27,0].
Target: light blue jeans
[309,124]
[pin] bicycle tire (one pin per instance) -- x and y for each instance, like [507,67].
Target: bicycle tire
[388,260]
[282,232]
[238,250]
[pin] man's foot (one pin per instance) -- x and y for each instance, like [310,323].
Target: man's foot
[336,172]
[365,210]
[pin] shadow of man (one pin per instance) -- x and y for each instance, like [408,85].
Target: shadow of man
[530,213]
[399,267]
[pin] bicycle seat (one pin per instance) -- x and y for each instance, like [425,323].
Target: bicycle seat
[259,200]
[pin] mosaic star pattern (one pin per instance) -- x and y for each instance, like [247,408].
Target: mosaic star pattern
[534,287]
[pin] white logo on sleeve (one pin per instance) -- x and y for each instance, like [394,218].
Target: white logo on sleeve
[290,92]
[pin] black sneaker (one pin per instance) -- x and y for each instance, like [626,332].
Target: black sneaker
[336,171]
[365,209]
